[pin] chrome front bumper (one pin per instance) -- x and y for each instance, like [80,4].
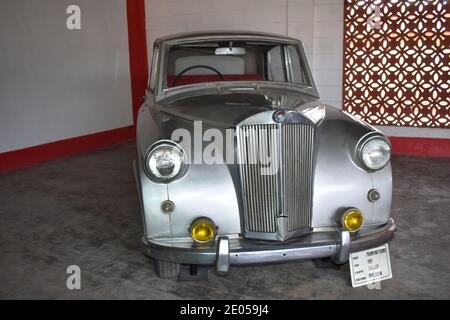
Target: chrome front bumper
[225,252]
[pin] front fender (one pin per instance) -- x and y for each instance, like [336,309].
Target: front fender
[206,190]
[339,182]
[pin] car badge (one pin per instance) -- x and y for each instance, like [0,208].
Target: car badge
[279,116]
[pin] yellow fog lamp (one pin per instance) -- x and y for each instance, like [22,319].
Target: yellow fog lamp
[352,219]
[203,230]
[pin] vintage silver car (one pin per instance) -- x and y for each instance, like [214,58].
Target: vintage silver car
[240,163]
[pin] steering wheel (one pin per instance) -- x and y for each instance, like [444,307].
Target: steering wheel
[196,67]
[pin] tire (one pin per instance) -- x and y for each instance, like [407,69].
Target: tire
[166,269]
[327,263]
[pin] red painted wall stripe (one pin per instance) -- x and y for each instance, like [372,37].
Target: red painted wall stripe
[422,147]
[25,157]
[137,41]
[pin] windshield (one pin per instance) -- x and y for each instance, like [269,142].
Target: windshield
[234,61]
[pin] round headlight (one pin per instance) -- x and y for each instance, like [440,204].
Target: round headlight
[376,153]
[165,161]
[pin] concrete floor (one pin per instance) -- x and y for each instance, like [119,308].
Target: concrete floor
[83,211]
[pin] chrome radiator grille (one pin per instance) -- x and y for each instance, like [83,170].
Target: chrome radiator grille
[281,186]
[297,173]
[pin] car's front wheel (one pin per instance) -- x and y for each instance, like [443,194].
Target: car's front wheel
[166,269]
[327,263]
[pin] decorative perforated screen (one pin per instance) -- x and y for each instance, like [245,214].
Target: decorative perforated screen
[396,62]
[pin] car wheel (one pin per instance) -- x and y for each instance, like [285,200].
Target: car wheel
[166,269]
[327,263]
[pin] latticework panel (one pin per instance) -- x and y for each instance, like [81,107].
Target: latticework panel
[396,62]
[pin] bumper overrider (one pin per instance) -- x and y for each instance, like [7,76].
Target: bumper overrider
[226,251]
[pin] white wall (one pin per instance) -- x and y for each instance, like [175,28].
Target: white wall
[328,47]
[57,83]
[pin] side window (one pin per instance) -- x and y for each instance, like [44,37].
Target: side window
[275,68]
[152,82]
[297,70]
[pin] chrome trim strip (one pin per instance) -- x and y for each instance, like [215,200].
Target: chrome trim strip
[283,255]
[281,218]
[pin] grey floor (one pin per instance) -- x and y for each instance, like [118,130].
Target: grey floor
[83,211]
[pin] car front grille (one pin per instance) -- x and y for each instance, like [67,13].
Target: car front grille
[288,191]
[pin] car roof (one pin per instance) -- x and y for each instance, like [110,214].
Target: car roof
[211,35]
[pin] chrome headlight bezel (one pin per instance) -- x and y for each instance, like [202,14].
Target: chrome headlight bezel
[172,151]
[365,143]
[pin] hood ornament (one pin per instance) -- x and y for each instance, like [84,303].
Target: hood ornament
[275,102]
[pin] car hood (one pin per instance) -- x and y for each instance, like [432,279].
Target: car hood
[226,109]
